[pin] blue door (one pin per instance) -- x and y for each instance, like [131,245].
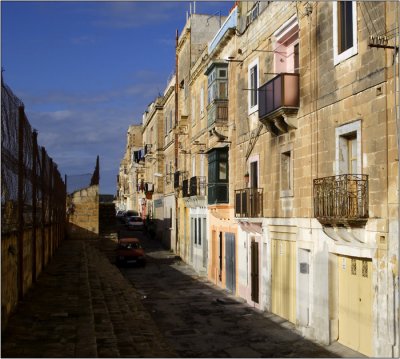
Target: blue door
[230,261]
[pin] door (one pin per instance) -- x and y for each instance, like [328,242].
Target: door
[254,174]
[230,262]
[205,243]
[192,237]
[355,304]
[220,257]
[214,254]
[254,210]
[283,258]
[254,272]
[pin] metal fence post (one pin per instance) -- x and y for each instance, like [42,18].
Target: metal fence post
[20,237]
[50,204]
[43,186]
[34,204]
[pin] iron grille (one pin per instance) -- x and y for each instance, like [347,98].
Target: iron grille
[185,188]
[249,203]
[198,186]
[341,199]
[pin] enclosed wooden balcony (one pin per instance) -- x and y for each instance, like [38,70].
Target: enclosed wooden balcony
[217,112]
[279,102]
[341,200]
[249,203]
[218,193]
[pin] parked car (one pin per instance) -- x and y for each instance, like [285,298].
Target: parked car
[130,251]
[128,214]
[135,223]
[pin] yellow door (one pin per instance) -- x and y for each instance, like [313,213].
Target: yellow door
[365,305]
[213,271]
[355,304]
[292,281]
[283,260]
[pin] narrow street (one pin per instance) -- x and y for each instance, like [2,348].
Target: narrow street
[199,319]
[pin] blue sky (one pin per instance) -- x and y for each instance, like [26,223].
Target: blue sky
[87,70]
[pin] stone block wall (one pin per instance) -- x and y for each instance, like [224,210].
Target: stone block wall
[48,238]
[83,213]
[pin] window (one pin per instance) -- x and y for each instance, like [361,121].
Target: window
[166,125]
[202,102]
[286,171]
[253,86]
[170,120]
[199,226]
[286,56]
[195,230]
[193,165]
[193,111]
[254,174]
[217,82]
[253,13]
[344,30]
[296,59]
[348,148]
[218,176]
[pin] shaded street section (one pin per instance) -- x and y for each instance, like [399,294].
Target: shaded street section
[199,319]
[84,306]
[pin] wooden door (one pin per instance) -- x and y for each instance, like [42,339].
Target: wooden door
[355,303]
[254,272]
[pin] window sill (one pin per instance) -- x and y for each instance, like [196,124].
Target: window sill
[339,58]
[252,110]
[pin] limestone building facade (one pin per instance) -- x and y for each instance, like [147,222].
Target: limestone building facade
[281,175]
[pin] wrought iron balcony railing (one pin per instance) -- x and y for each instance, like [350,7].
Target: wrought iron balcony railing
[282,92]
[198,186]
[249,203]
[185,188]
[218,193]
[217,111]
[341,199]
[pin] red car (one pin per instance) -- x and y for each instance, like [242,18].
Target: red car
[130,251]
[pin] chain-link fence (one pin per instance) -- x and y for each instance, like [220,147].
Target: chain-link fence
[33,198]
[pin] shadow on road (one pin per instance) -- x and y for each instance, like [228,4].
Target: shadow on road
[200,319]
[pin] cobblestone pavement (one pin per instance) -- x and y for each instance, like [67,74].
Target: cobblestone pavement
[81,306]
[201,320]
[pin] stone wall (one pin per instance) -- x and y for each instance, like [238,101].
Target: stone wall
[35,258]
[83,213]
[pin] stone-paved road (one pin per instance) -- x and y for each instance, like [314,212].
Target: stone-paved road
[81,306]
[199,319]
